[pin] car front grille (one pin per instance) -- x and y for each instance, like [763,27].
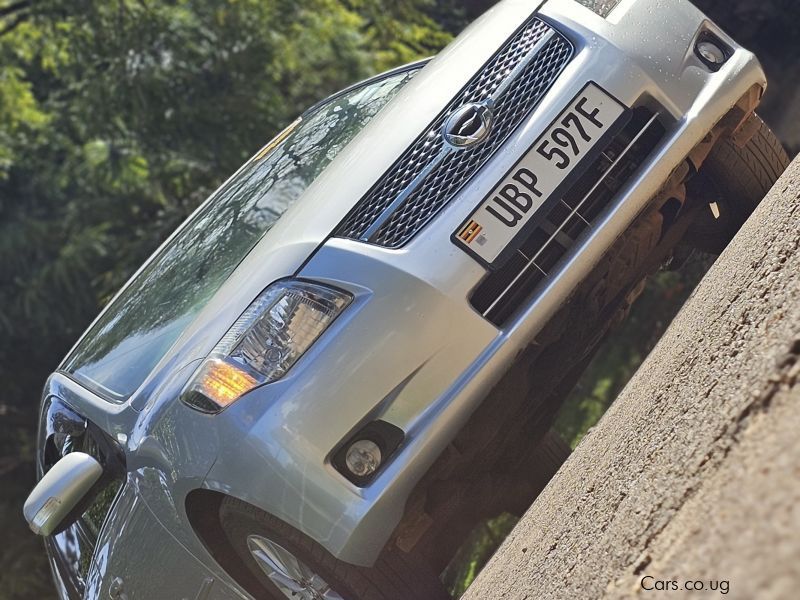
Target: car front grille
[502,292]
[430,173]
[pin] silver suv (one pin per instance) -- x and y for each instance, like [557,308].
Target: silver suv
[354,350]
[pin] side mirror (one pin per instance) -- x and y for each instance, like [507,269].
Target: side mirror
[59,491]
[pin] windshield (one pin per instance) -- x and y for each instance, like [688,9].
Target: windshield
[124,345]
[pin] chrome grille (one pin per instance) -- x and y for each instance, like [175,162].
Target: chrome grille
[430,173]
[502,292]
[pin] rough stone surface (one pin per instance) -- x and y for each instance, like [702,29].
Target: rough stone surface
[694,472]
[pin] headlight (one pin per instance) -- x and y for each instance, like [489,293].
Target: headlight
[600,7]
[264,343]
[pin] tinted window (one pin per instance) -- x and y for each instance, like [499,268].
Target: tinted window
[120,350]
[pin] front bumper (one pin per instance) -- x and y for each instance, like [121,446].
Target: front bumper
[411,350]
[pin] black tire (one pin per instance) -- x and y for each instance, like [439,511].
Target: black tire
[737,179]
[395,575]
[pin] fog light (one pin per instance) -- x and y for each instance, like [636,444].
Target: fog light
[363,458]
[710,52]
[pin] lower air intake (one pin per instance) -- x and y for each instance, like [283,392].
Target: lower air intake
[503,292]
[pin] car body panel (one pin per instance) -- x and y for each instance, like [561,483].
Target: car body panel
[410,349]
[169,565]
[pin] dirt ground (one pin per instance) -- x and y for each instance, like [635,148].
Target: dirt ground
[692,478]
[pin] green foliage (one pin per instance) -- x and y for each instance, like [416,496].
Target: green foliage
[475,552]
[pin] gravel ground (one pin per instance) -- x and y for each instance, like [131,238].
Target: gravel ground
[693,475]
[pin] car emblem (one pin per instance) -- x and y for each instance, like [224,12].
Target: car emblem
[469,125]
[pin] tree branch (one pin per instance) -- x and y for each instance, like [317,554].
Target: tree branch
[16,7]
[13,25]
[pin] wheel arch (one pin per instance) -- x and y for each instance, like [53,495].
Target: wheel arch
[203,511]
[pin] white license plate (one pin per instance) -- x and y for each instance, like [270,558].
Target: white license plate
[490,232]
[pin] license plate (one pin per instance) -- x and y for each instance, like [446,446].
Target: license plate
[492,231]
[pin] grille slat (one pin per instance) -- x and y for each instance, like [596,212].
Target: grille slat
[406,197]
[502,292]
